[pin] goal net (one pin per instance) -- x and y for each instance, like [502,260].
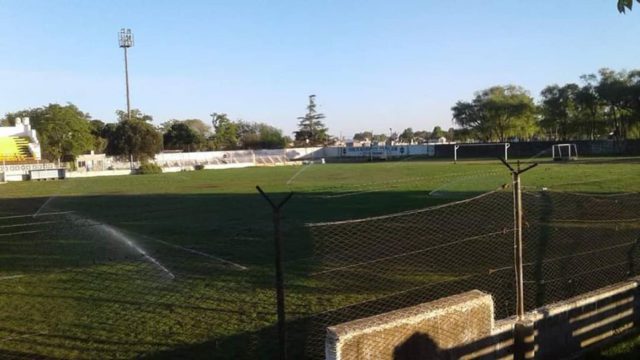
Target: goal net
[480,151]
[563,152]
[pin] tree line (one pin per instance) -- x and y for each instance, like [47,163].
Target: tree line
[408,136]
[64,132]
[603,105]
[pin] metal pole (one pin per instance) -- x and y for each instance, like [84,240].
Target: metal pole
[277,234]
[455,153]
[126,77]
[517,237]
[518,242]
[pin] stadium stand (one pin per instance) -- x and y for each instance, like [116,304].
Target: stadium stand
[19,143]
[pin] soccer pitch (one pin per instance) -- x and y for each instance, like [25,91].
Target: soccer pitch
[180,265]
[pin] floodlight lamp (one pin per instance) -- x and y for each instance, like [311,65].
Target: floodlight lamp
[125,38]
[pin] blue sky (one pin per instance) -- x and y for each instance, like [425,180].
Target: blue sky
[373,65]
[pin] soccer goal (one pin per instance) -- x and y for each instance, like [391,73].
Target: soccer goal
[478,151]
[564,152]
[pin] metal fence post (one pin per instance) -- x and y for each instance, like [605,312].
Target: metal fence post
[277,235]
[523,331]
[524,340]
[517,222]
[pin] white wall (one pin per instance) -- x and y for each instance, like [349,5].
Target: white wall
[22,128]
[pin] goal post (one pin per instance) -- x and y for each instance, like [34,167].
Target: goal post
[500,149]
[564,152]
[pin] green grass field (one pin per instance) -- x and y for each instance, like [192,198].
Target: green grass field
[181,265]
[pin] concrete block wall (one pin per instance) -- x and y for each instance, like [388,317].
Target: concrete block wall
[462,327]
[420,331]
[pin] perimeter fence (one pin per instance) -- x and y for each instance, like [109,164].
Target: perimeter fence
[572,243]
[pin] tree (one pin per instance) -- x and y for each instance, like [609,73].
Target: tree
[437,133]
[624,5]
[363,136]
[406,136]
[497,113]
[62,130]
[558,111]
[179,136]
[422,136]
[311,127]
[99,141]
[137,140]
[136,114]
[616,90]
[226,132]
[198,126]
[589,109]
[263,136]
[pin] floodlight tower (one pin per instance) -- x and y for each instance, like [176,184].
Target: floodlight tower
[125,40]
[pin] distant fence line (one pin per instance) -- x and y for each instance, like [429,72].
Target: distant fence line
[441,151]
[543,148]
[101,162]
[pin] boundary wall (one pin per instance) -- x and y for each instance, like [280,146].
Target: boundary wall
[463,327]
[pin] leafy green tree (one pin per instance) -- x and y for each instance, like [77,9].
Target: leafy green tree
[180,136]
[406,135]
[134,139]
[590,110]
[226,132]
[198,126]
[136,114]
[263,136]
[472,116]
[62,130]
[497,113]
[99,142]
[311,127]
[363,136]
[616,90]
[422,136]
[437,133]
[558,109]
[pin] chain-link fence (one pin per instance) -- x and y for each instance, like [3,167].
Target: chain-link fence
[573,243]
[576,243]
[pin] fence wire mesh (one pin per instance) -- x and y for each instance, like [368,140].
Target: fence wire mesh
[573,243]
[386,263]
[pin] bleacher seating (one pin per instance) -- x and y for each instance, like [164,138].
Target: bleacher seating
[15,149]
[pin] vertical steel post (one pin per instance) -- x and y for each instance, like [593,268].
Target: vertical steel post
[280,300]
[517,208]
[517,234]
[126,79]
[455,153]
[125,40]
